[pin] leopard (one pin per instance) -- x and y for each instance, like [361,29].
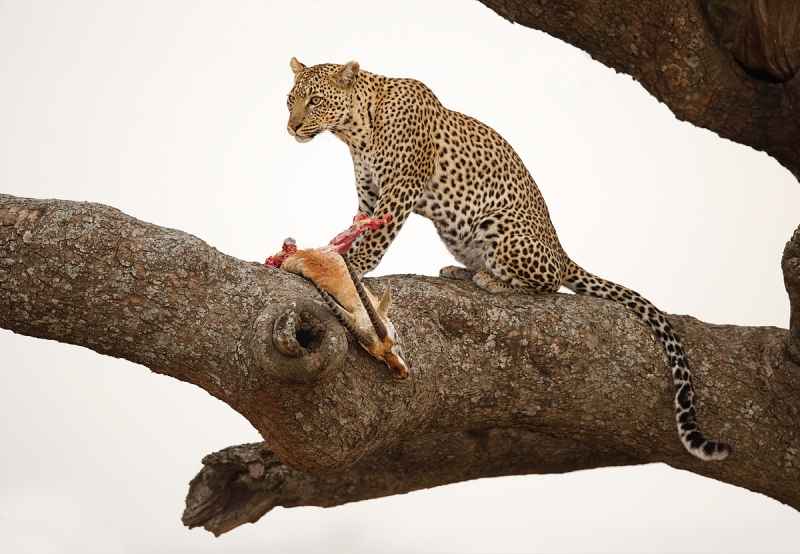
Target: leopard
[412,155]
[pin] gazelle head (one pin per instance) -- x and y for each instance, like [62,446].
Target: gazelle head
[370,325]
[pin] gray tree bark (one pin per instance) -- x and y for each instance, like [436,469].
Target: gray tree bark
[501,384]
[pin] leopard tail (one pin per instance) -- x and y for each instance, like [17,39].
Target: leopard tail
[582,282]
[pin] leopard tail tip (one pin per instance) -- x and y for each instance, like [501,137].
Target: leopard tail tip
[711,451]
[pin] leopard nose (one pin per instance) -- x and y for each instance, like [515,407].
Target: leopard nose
[293,127]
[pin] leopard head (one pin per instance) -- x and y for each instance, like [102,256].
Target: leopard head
[320,98]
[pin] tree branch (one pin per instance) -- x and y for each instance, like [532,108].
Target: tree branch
[764,37]
[791,278]
[242,483]
[730,72]
[566,366]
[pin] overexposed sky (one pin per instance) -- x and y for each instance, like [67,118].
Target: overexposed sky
[174,112]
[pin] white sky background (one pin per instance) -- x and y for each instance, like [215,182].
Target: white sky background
[174,112]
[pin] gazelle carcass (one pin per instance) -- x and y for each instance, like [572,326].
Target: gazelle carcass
[356,308]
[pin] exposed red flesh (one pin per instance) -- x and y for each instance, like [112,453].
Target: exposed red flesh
[289,248]
[340,243]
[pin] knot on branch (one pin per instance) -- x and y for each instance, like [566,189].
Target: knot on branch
[790,264]
[297,341]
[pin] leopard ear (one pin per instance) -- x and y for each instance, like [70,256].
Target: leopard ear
[346,76]
[297,67]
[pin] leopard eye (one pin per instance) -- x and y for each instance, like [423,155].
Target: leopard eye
[315,100]
[290,99]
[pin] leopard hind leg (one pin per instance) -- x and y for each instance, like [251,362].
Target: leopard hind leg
[519,262]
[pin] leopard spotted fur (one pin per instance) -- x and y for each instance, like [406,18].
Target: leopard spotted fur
[411,154]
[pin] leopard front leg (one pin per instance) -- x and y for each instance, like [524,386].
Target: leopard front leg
[367,198]
[396,201]
[367,194]
[397,165]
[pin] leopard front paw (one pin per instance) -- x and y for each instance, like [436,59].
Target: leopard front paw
[455,272]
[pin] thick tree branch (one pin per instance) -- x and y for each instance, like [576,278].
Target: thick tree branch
[791,277]
[764,37]
[242,483]
[566,366]
[730,71]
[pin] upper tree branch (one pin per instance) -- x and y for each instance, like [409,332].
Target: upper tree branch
[697,64]
[566,366]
